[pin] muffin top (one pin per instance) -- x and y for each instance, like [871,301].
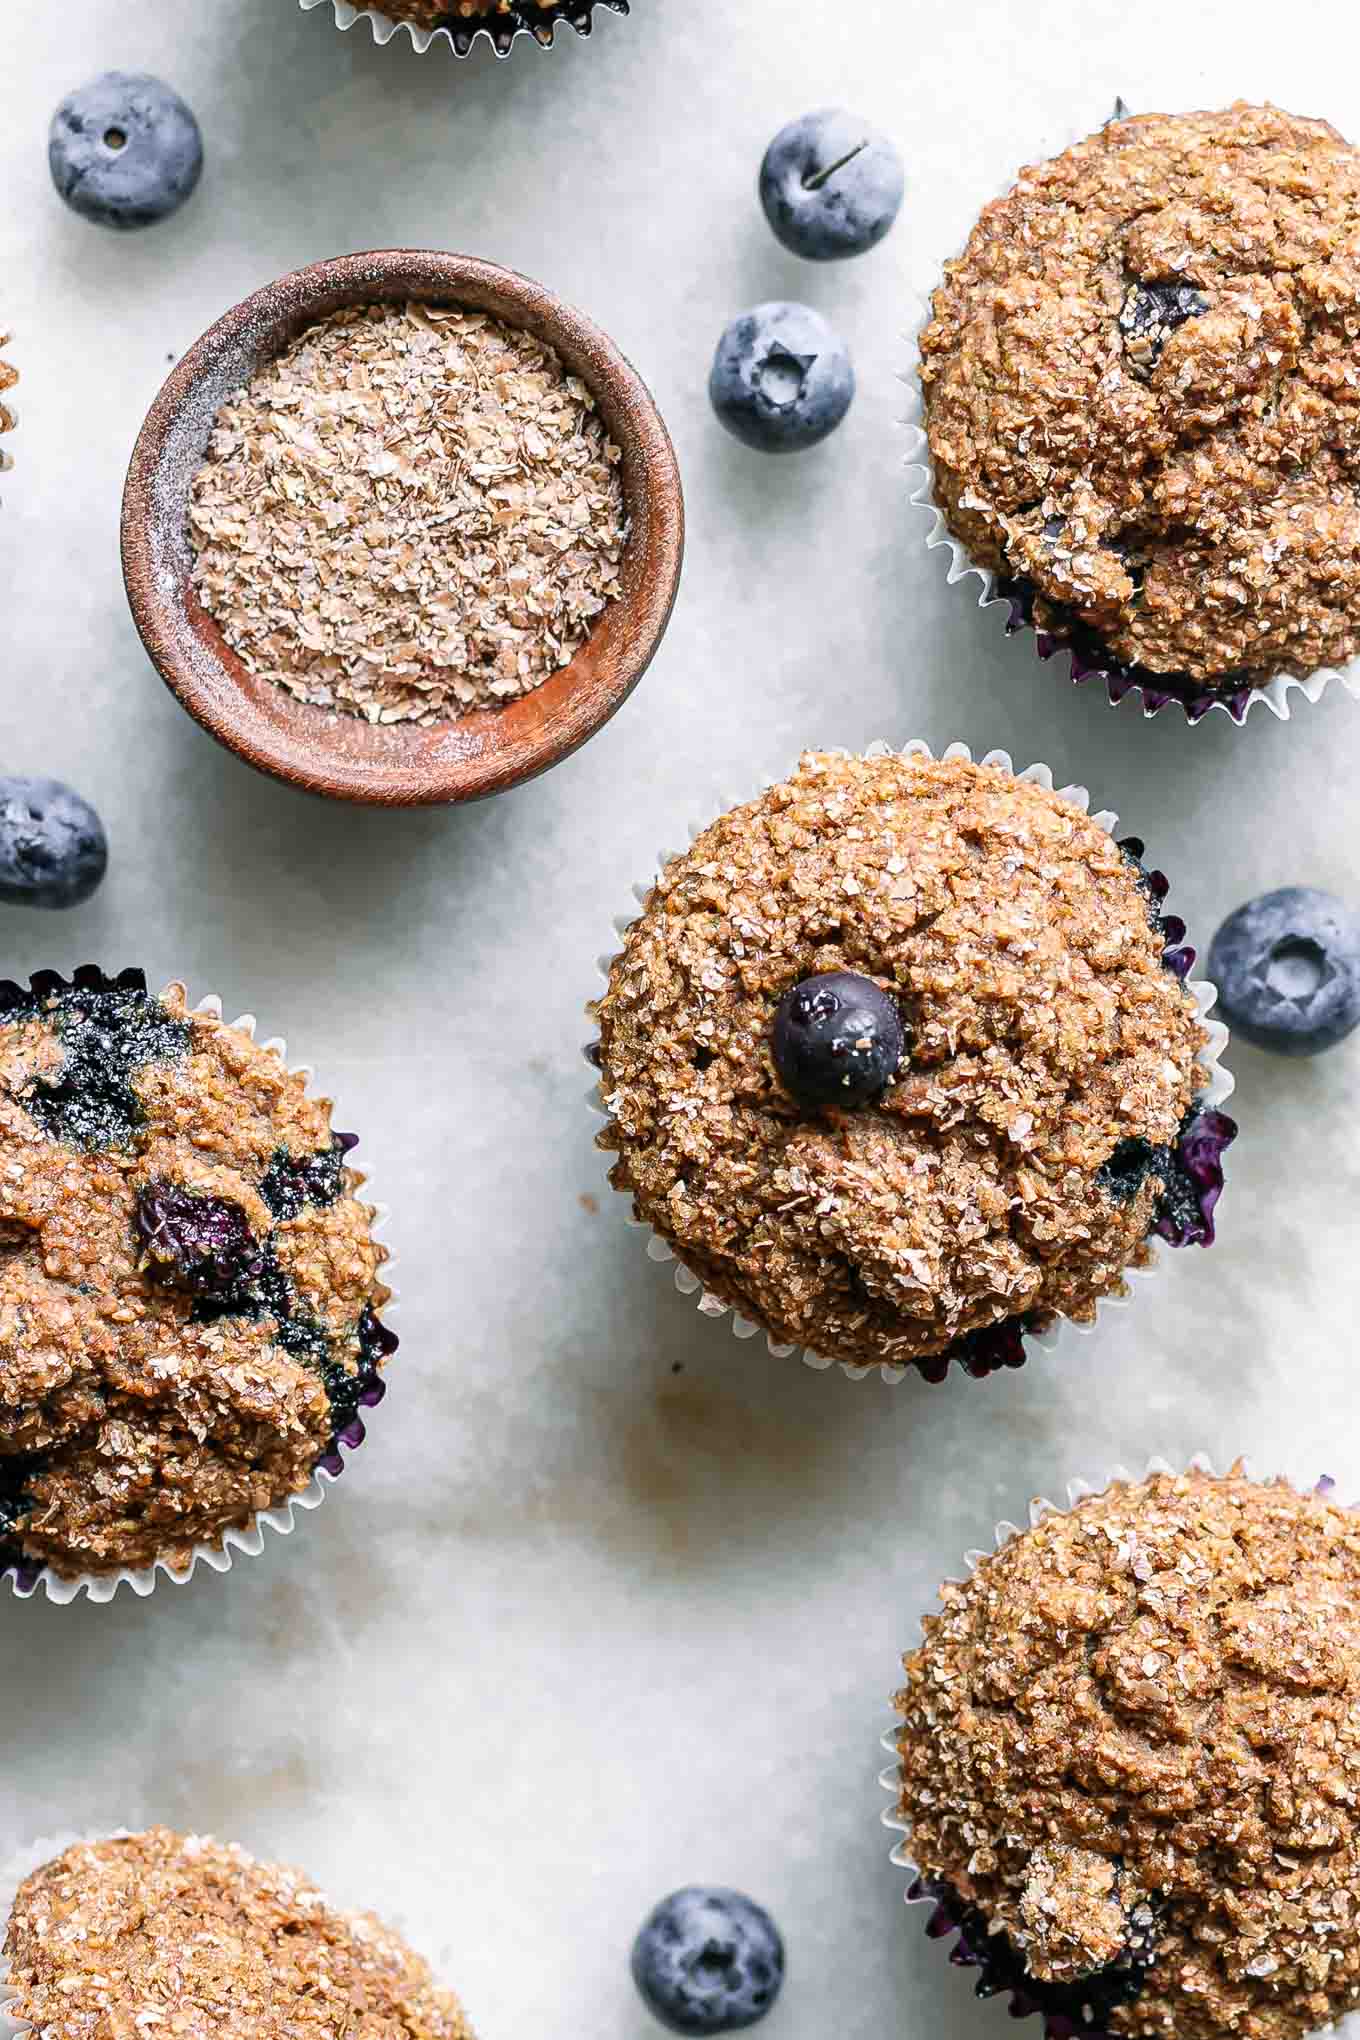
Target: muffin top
[1131,1753]
[166,1933]
[188,1284]
[1139,393]
[1013,1169]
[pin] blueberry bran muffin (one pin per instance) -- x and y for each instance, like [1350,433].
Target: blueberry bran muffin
[1130,1762]
[189,1285]
[1139,401]
[167,1933]
[1043,1120]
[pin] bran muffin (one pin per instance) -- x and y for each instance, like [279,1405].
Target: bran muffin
[1043,1120]
[1138,400]
[1130,1762]
[168,1933]
[189,1284]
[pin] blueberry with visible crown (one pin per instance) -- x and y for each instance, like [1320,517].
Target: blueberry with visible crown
[831,185]
[1287,968]
[124,150]
[838,1039]
[708,1960]
[782,378]
[53,850]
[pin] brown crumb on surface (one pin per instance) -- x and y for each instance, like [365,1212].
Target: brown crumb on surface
[1150,1707]
[1043,1031]
[136,1420]
[412,512]
[1142,397]
[159,1934]
[447,13]
[9,376]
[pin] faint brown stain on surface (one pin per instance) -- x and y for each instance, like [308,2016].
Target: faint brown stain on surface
[589,1203]
[682,1456]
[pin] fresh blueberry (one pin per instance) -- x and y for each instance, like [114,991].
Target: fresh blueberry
[124,150]
[53,850]
[708,1961]
[782,379]
[1287,967]
[831,185]
[838,1039]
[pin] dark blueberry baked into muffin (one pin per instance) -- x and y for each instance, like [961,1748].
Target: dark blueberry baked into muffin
[189,1285]
[208,1941]
[899,1062]
[1139,401]
[1130,1763]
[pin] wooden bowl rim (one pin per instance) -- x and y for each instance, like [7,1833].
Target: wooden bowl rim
[345,758]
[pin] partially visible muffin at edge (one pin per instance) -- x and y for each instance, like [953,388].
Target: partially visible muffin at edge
[9,376]
[1047,1048]
[189,1285]
[450,13]
[1130,1762]
[1139,395]
[160,1932]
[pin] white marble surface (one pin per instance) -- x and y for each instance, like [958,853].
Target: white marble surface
[611,1602]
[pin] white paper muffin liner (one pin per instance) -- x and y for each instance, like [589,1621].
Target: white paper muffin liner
[1218,1087]
[1077,1490]
[1275,695]
[249,1540]
[462,41]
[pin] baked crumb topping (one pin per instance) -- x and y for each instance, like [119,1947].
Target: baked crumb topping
[1141,395]
[188,1280]
[1138,1725]
[1045,1037]
[160,1933]
[411,512]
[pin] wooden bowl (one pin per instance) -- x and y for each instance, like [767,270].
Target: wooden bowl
[342,756]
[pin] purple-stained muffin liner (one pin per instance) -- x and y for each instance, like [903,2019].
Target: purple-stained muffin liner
[951,1917]
[380,1342]
[519,23]
[1205,1135]
[1089,659]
